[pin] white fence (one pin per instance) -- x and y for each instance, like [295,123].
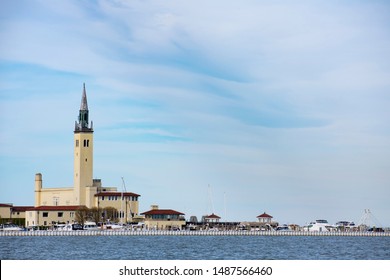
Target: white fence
[188,233]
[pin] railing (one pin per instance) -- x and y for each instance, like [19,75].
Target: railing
[188,233]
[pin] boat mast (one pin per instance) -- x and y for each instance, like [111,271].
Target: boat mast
[224,202]
[121,214]
[368,219]
[211,199]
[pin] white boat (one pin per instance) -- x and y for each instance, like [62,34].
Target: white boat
[90,226]
[346,225]
[283,228]
[10,227]
[110,225]
[67,227]
[318,225]
[62,227]
[114,226]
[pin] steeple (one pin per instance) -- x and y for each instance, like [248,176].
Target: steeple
[84,103]
[83,120]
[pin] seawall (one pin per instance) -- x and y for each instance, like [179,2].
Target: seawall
[188,233]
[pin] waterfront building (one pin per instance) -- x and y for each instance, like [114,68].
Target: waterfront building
[13,214]
[58,205]
[265,218]
[212,218]
[163,219]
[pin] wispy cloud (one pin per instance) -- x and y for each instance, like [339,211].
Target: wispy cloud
[273,103]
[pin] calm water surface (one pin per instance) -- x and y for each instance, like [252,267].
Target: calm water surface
[194,248]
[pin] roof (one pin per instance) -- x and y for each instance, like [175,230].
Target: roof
[162,212]
[5,205]
[264,215]
[213,216]
[21,208]
[55,208]
[84,104]
[116,194]
[16,208]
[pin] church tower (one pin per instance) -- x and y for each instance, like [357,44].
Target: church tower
[83,155]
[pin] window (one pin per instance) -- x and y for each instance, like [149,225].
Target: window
[60,214]
[86,143]
[77,143]
[56,201]
[71,214]
[45,214]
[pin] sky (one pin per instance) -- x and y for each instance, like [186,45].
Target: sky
[231,107]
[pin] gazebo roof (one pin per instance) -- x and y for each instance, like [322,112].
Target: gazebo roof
[264,215]
[213,216]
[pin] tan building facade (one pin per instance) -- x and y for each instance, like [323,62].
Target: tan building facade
[60,204]
[13,214]
[163,219]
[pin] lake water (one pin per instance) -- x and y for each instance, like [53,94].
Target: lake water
[194,248]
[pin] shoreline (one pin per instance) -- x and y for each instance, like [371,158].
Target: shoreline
[189,233]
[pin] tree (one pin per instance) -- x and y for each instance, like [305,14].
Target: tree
[82,215]
[95,214]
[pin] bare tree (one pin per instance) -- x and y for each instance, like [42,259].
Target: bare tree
[95,214]
[82,215]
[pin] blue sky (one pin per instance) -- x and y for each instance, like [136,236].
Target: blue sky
[278,106]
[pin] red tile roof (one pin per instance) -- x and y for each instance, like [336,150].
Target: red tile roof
[21,208]
[56,208]
[264,215]
[162,212]
[213,216]
[5,205]
[16,208]
[116,194]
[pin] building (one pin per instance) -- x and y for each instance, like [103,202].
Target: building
[265,218]
[163,219]
[54,205]
[13,214]
[212,218]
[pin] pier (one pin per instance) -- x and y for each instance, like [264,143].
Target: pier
[189,233]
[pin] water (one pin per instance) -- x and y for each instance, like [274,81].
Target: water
[194,248]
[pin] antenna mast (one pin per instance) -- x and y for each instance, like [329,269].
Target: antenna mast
[124,188]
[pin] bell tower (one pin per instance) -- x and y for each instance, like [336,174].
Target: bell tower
[83,154]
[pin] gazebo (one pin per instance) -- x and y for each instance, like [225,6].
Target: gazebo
[264,218]
[212,218]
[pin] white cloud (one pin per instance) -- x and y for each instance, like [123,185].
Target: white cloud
[286,100]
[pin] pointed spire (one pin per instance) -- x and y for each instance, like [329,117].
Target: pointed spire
[84,103]
[83,121]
